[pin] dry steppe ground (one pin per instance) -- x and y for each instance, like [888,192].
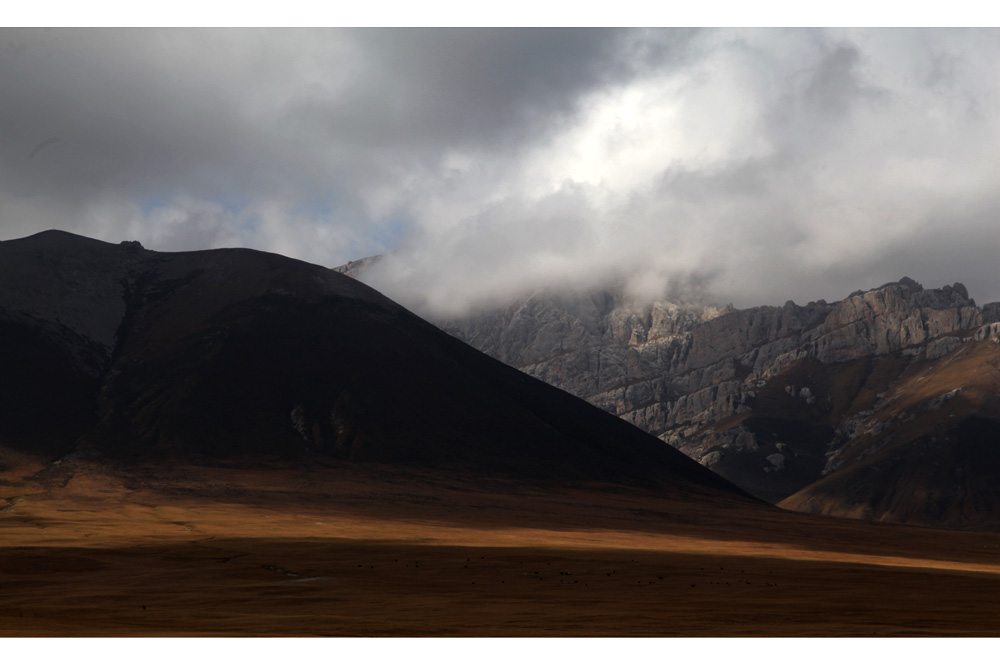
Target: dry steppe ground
[364,550]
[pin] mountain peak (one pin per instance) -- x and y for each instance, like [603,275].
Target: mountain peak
[236,353]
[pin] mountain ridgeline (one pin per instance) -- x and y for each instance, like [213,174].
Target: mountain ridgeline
[122,353]
[884,406]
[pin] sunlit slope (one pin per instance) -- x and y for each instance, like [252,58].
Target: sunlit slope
[929,450]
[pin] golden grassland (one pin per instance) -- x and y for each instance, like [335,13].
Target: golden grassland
[348,550]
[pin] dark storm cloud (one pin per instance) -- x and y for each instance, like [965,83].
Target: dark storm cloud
[750,165]
[487,89]
[303,122]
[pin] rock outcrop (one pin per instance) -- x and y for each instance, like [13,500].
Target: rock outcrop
[884,405]
[765,396]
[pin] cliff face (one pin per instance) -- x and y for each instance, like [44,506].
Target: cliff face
[774,398]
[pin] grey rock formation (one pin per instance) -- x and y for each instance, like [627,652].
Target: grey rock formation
[712,381]
[355,268]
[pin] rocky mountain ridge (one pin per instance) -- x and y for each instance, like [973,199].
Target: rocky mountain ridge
[669,368]
[775,399]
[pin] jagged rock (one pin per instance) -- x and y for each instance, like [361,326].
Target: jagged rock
[680,371]
[736,389]
[988,332]
[942,346]
[354,268]
[941,399]
[991,313]
[777,461]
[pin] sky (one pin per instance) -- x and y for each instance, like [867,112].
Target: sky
[745,166]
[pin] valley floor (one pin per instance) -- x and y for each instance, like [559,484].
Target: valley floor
[87,550]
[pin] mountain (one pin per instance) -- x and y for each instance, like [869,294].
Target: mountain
[118,352]
[233,443]
[881,406]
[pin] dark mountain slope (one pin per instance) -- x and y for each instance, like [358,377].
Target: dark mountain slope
[236,353]
[61,301]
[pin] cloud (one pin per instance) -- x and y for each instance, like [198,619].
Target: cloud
[770,165]
[339,125]
[750,166]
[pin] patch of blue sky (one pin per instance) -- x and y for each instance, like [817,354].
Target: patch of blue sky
[149,204]
[247,227]
[392,232]
[369,236]
[233,205]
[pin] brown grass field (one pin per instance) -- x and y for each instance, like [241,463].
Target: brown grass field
[348,550]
